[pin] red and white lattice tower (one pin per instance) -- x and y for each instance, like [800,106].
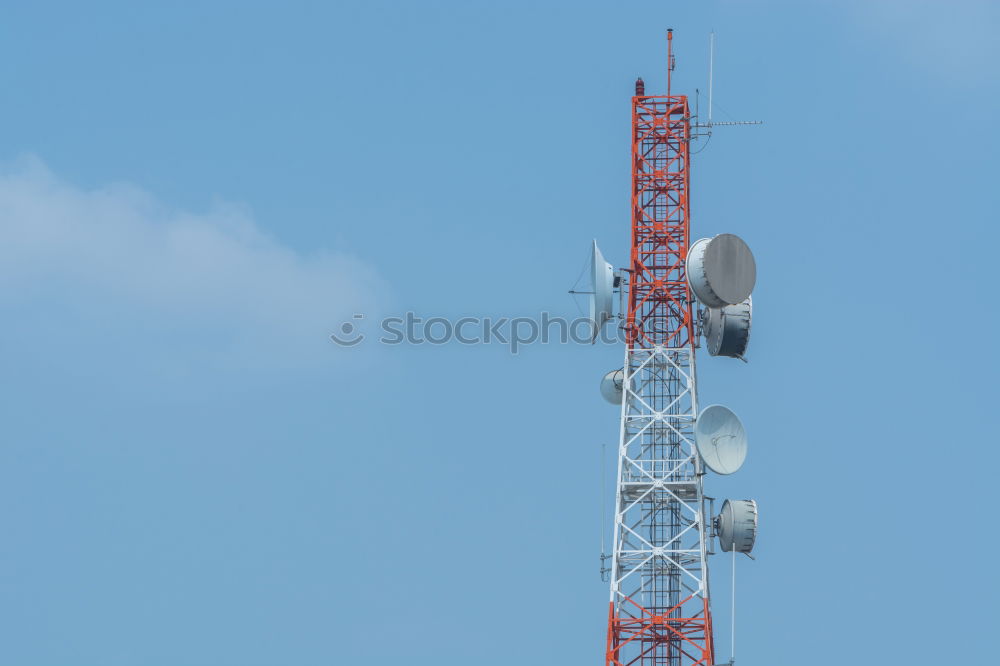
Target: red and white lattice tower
[659,612]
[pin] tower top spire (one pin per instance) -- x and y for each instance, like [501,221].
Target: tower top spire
[670,57]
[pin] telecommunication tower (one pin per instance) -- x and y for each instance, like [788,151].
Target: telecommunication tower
[677,291]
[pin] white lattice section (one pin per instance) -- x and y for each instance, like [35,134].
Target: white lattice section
[659,536]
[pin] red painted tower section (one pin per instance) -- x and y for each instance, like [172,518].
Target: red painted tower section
[660,310]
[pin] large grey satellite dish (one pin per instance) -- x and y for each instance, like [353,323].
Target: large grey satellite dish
[602,277]
[727,329]
[737,525]
[720,439]
[611,386]
[721,271]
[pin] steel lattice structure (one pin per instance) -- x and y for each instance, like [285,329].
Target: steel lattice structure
[659,612]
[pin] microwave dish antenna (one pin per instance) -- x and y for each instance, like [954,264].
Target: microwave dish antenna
[602,280]
[720,439]
[727,329]
[737,525]
[721,270]
[612,385]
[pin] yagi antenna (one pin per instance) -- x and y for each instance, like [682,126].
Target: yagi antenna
[707,126]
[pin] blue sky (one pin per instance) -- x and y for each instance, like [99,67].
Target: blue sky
[194,196]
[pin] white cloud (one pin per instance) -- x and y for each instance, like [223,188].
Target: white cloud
[118,249]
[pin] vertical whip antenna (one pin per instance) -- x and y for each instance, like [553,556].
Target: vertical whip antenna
[711,69]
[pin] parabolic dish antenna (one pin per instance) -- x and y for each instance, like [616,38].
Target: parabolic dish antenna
[721,271]
[737,525]
[611,386]
[602,277]
[720,439]
[727,329]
